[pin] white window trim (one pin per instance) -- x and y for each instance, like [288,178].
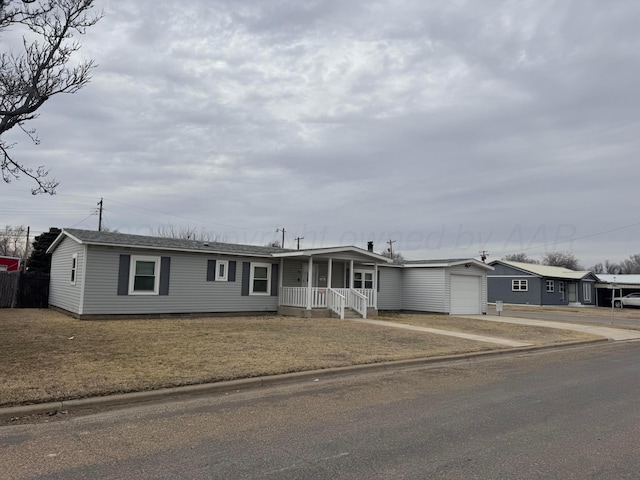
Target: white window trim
[4,268]
[586,292]
[225,277]
[132,275]
[551,286]
[252,277]
[74,269]
[561,289]
[363,278]
[520,284]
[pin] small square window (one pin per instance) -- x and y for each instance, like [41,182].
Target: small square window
[362,279]
[520,285]
[550,286]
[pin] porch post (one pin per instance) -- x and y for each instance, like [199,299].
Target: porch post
[280,276]
[375,286]
[351,274]
[310,283]
[330,270]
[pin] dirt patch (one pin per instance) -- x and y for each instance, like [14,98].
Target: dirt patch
[49,356]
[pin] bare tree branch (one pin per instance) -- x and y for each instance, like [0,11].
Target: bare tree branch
[42,69]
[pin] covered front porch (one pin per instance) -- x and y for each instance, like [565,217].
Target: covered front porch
[329,281]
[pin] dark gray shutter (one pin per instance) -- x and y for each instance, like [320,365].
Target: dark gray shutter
[348,281]
[123,274]
[246,276]
[274,280]
[231,276]
[211,270]
[378,282]
[165,270]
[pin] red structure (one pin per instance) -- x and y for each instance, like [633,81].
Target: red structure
[10,264]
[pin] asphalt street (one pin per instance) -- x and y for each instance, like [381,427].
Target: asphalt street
[567,413]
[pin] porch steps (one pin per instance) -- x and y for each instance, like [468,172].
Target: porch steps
[351,313]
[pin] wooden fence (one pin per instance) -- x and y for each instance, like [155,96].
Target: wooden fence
[24,290]
[9,282]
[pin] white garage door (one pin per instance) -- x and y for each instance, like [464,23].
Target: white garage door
[466,295]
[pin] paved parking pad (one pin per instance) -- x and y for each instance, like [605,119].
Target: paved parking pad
[615,334]
[437,331]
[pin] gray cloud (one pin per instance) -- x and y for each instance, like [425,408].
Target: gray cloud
[450,127]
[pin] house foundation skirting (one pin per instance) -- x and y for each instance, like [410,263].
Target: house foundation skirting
[150,316]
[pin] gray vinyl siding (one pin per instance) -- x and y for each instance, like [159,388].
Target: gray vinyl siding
[424,289]
[189,290]
[390,288]
[500,288]
[61,293]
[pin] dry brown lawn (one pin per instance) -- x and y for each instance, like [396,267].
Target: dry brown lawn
[46,356]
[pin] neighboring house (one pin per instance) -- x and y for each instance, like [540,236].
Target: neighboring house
[453,286]
[10,264]
[101,274]
[623,285]
[533,284]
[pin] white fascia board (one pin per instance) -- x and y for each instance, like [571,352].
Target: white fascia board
[451,264]
[330,250]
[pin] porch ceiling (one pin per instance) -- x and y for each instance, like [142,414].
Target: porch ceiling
[336,253]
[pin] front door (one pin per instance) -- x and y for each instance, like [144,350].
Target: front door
[572,292]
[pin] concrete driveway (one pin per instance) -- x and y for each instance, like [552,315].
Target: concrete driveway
[621,317]
[611,333]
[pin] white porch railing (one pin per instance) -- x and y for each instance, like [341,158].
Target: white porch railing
[297,297]
[359,299]
[336,302]
[358,302]
[367,292]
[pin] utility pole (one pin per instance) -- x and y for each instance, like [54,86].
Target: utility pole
[483,255]
[390,249]
[100,216]
[298,240]
[281,230]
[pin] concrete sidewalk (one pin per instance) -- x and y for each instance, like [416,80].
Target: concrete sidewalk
[437,331]
[615,334]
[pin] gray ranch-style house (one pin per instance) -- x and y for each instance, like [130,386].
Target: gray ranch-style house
[533,284]
[110,274]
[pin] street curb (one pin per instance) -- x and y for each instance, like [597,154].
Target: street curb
[133,398]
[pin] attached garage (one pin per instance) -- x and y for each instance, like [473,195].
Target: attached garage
[466,295]
[456,287]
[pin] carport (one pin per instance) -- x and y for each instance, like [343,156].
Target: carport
[623,285]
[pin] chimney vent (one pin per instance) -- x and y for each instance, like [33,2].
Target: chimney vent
[370,246]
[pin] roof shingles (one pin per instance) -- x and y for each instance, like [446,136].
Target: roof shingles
[93,237]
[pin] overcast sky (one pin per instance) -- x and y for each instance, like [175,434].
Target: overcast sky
[449,127]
